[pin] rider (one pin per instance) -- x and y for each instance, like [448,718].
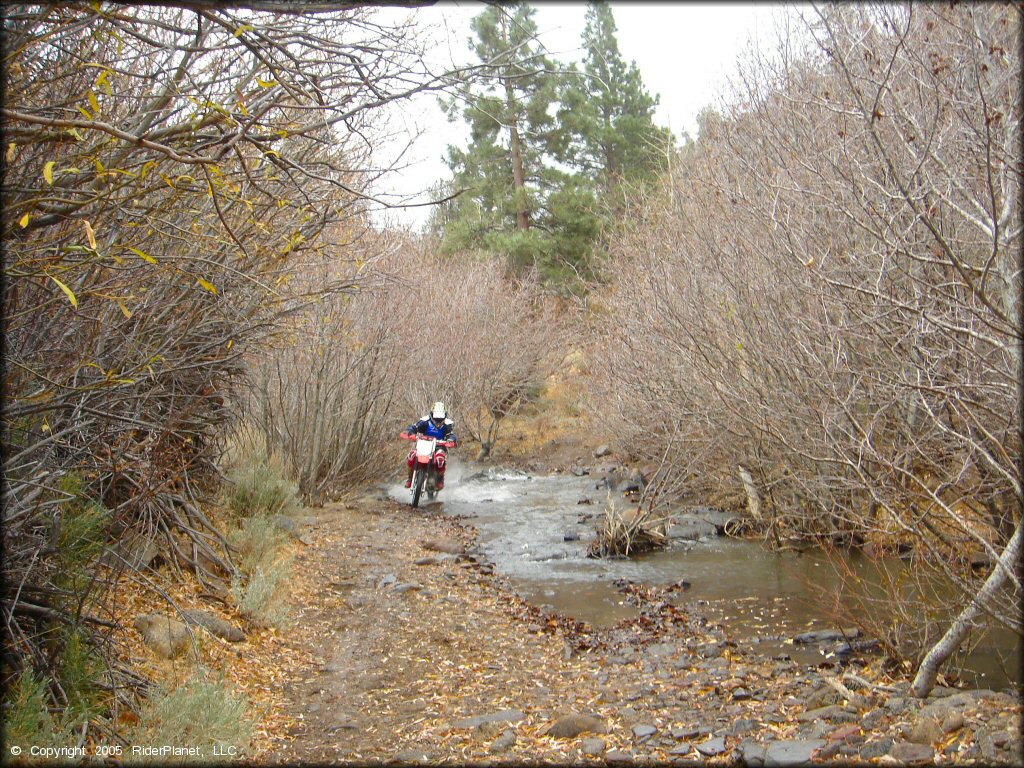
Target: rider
[437,425]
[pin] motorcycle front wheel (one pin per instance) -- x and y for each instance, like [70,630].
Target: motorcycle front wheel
[417,486]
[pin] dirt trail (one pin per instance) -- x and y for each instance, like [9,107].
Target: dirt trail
[426,656]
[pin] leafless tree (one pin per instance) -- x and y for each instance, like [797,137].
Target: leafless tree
[822,311]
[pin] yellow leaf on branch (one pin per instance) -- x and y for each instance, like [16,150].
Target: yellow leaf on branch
[48,172]
[90,235]
[142,255]
[67,291]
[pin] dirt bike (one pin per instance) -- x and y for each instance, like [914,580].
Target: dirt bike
[424,471]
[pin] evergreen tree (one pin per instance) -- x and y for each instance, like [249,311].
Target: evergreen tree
[607,113]
[505,170]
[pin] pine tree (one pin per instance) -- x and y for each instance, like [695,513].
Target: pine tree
[608,115]
[505,170]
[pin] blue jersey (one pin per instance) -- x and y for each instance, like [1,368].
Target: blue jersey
[426,426]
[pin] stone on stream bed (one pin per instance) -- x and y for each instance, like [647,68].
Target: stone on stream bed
[505,716]
[572,725]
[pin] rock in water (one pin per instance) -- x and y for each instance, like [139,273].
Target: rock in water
[572,725]
[214,625]
[165,636]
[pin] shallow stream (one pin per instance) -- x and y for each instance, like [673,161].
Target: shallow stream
[535,531]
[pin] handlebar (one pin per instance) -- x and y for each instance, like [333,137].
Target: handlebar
[443,443]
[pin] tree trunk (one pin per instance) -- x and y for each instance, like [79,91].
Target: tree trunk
[955,635]
[753,497]
[515,144]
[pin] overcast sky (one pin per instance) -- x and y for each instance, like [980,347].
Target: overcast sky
[684,52]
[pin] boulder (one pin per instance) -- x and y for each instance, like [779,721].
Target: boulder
[643,732]
[602,451]
[167,637]
[214,625]
[826,636]
[572,725]
[592,746]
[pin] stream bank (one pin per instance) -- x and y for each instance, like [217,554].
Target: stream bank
[424,654]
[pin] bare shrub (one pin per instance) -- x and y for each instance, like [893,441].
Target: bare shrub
[826,294]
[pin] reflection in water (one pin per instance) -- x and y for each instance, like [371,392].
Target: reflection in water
[536,533]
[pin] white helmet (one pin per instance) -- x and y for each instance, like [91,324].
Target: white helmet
[438,412]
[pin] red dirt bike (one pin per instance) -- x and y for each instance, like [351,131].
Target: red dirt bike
[424,470]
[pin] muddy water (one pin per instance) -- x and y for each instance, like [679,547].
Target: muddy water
[536,532]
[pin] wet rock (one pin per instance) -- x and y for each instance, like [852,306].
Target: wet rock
[911,754]
[826,636]
[449,546]
[214,625]
[602,451]
[712,747]
[791,751]
[505,716]
[571,536]
[592,746]
[504,743]
[643,732]
[690,528]
[167,637]
[572,725]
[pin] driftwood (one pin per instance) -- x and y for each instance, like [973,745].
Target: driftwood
[629,532]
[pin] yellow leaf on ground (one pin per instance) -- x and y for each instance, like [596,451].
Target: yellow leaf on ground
[23,222]
[207,285]
[67,291]
[124,310]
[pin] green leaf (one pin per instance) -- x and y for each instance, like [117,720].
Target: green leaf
[67,291]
